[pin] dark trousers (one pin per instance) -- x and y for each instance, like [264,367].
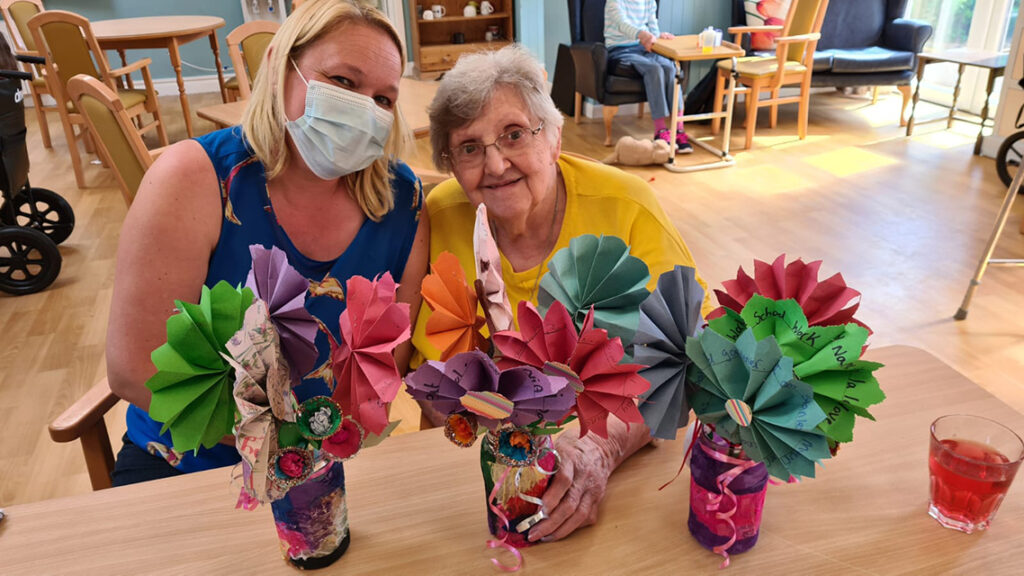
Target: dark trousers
[134,465]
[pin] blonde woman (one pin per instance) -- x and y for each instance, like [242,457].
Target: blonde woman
[312,170]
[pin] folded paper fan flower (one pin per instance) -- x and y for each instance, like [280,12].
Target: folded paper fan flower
[454,325]
[472,382]
[590,360]
[826,303]
[825,357]
[284,290]
[597,272]
[488,273]
[372,326]
[668,318]
[192,385]
[748,391]
[263,395]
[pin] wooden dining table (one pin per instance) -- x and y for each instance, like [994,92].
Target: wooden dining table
[416,506]
[162,32]
[413,97]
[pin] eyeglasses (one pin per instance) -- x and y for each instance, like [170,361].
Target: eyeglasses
[510,143]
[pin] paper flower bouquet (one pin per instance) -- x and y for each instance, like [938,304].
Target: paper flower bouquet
[775,380]
[231,365]
[520,387]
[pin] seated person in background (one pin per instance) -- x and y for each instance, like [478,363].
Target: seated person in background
[337,207]
[493,124]
[630,29]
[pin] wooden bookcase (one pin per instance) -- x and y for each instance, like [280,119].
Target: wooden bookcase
[433,48]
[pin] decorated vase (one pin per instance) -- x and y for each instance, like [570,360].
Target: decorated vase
[517,467]
[312,519]
[727,492]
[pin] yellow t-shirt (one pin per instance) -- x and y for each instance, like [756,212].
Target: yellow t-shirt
[599,200]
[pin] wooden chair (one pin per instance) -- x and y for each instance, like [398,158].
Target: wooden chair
[114,135]
[792,64]
[247,46]
[83,421]
[66,41]
[16,14]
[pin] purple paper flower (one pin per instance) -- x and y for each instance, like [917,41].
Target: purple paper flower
[284,290]
[532,394]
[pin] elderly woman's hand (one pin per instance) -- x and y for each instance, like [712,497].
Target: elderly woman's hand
[574,494]
[576,490]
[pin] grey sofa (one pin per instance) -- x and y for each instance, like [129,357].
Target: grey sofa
[869,43]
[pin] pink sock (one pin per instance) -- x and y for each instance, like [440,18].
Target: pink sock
[660,124]
[679,127]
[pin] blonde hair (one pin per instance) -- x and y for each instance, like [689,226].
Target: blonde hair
[264,119]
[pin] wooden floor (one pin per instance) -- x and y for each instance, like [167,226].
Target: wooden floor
[904,220]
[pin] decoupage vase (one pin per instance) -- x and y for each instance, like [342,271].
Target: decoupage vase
[726,496]
[517,467]
[312,519]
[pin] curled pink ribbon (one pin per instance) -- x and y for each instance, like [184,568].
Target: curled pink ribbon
[715,500]
[491,499]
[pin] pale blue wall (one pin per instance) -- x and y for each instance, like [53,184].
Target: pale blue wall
[197,52]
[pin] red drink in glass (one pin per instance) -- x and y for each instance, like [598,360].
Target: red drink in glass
[972,462]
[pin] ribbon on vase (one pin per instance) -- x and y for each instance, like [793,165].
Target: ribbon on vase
[502,543]
[492,504]
[713,502]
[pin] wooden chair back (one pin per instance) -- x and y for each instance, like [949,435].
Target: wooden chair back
[66,40]
[16,15]
[113,132]
[247,46]
[804,17]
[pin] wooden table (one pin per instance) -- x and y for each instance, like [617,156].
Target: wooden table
[683,50]
[413,98]
[416,506]
[993,62]
[166,32]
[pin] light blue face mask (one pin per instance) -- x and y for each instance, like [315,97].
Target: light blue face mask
[341,131]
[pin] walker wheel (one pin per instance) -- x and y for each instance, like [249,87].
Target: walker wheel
[52,215]
[29,261]
[1009,158]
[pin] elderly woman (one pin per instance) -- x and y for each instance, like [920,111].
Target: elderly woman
[493,125]
[312,171]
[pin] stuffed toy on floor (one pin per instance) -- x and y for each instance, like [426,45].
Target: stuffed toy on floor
[632,152]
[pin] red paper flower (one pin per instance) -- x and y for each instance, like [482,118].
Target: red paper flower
[291,464]
[372,326]
[829,302]
[344,443]
[590,360]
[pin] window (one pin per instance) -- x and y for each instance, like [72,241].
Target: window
[970,24]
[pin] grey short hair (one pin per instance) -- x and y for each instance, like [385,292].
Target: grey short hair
[467,87]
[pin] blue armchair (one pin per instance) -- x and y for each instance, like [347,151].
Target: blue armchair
[869,43]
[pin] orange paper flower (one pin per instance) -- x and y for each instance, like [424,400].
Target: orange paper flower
[454,326]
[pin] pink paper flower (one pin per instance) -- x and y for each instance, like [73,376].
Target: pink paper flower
[291,464]
[344,443]
[372,326]
[589,360]
[828,302]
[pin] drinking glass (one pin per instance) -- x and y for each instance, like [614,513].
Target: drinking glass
[972,461]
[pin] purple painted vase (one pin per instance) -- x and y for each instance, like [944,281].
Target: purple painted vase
[312,519]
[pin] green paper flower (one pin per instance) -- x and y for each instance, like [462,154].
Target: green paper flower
[599,272]
[193,383]
[748,391]
[825,357]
